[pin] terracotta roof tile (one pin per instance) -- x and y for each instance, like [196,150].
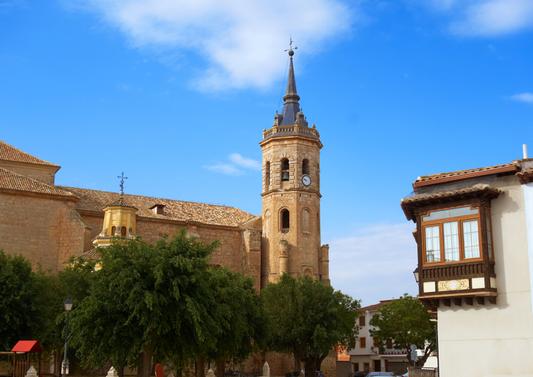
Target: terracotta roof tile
[375,307]
[419,200]
[12,181]
[95,200]
[464,174]
[10,153]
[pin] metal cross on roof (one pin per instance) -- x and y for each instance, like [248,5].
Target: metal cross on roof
[122,179]
[291,49]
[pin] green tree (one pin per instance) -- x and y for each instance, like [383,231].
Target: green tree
[309,319]
[237,314]
[405,322]
[18,312]
[146,301]
[29,303]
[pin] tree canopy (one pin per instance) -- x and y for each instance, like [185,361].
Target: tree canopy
[29,302]
[405,322]
[308,318]
[165,301]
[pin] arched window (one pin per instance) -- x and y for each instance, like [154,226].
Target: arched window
[267,174]
[306,219]
[305,166]
[285,169]
[284,219]
[123,231]
[113,230]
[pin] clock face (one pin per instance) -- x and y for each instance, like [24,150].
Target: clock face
[306,180]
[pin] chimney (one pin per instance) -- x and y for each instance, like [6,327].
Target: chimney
[524,151]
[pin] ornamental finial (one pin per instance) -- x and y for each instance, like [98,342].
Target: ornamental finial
[122,178]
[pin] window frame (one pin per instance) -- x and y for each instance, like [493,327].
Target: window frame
[267,175]
[460,220]
[285,175]
[282,211]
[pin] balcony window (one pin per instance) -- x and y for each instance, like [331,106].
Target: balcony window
[452,235]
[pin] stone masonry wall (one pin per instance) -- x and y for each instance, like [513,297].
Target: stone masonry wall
[230,252]
[45,231]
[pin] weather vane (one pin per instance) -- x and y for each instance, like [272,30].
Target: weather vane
[122,179]
[291,49]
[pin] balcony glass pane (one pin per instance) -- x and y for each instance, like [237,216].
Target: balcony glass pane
[451,241]
[471,239]
[432,244]
[452,212]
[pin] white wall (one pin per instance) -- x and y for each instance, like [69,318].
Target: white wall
[495,340]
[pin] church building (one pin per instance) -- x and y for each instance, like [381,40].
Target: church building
[48,223]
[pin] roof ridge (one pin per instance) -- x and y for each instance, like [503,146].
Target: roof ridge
[466,170]
[158,198]
[458,175]
[31,159]
[54,190]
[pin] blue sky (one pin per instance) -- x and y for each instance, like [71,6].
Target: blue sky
[176,93]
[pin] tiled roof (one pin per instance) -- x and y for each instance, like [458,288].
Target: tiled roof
[375,307]
[419,200]
[12,181]
[10,153]
[95,200]
[434,179]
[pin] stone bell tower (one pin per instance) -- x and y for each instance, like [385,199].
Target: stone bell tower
[291,194]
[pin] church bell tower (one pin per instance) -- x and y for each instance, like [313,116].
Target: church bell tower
[291,194]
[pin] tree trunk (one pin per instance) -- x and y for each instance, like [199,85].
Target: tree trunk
[120,371]
[310,367]
[220,365]
[200,367]
[145,362]
[140,365]
[297,366]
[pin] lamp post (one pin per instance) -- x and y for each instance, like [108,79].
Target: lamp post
[416,274]
[65,365]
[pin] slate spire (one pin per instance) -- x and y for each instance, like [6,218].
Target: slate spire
[291,104]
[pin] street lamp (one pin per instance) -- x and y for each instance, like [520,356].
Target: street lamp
[416,274]
[65,365]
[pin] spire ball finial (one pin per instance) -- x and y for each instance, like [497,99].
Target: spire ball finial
[291,49]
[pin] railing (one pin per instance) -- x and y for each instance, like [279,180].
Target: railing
[455,270]
[290,130]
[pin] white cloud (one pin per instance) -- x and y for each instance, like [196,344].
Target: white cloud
[523,97]
[375,262]
[236,166]
[487,17]
[241,40]
[244,162]
[224,168]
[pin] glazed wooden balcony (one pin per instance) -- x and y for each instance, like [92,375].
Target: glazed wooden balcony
[466,280]
[456,270]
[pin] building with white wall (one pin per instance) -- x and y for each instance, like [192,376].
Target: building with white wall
[474,231]
[370,356]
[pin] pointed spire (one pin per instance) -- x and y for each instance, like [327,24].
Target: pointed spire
[291,83]
[291,106]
